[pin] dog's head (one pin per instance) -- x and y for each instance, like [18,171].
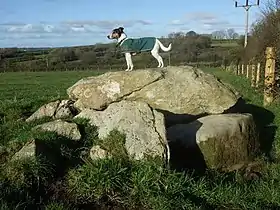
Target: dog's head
[116,33]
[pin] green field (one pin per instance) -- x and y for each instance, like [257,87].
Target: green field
[120,183]
[228,45]
[224,43]
[36,86]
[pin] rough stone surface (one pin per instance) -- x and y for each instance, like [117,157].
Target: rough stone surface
[56,109]
[64,110]
[143,127]
[47,110]
[62,128]
[96,153]
[224,140]
[28,150]
[179,90]
[187,90]
[98,92]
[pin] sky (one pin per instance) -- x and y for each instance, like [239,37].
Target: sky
[57,23]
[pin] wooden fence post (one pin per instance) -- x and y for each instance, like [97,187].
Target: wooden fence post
[242,69]
[247,71]
[169,59]
[226,69]
[258,76]
[253,75]
[269,79]
[238,70]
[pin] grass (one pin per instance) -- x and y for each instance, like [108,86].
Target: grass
[224,43]
[38,86]
[69,180]
[229,44]
[23,93]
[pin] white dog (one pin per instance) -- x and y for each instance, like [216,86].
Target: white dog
[132,46]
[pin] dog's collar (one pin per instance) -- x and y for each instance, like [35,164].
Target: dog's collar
[119,43]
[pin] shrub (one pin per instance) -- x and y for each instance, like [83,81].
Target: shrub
[265,32]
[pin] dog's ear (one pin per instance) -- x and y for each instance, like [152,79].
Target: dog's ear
[121,29]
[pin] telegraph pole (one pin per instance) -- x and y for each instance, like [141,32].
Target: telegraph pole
[247,7]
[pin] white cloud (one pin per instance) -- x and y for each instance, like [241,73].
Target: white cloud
[203,22]
[70,31]
[78,29]
[48,28]
[177,22]
[107,24]
[69,26]
[34,28]
[201,16]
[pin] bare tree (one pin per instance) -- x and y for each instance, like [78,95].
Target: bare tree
[230,33]
[221,34]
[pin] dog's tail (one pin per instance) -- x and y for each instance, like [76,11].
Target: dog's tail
[165,49]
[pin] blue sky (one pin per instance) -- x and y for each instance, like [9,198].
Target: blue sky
[52,23]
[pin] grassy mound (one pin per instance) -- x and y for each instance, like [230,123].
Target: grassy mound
[63,177]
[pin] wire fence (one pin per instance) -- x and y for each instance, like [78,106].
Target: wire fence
[263,76]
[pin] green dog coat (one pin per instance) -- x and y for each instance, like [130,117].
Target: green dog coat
[137,45]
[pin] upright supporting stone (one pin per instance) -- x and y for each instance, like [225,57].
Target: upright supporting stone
[269,78]
[253,75]
[247,71]
[258,76]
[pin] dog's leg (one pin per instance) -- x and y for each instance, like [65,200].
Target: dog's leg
[157,57]
[127,61]
[155,53]
[160,61]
